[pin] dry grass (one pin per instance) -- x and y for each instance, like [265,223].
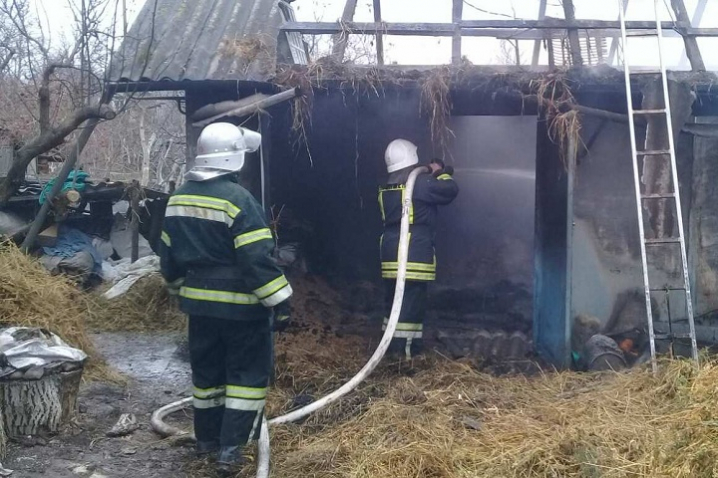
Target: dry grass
[445,419]
[146,307]
[436,104]
[553,425]
[564,125]
[30,297]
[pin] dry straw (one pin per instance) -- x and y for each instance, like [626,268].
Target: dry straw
[31,297]
[445,419]
[146,307]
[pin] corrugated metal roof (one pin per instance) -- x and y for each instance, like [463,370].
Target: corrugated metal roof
[202,40]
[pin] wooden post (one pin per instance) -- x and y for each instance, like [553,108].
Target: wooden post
[537,45]
[696,22]
[692,49]
[341,39]
[456,17]
[379,35]
[134,192]
[573,39]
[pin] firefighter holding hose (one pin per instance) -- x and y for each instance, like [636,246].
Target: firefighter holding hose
[216,253]
[431,191]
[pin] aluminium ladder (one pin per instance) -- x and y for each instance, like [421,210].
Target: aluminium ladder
[671,243]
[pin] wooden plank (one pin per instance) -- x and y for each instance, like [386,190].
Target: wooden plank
[379,34]
[475,27]
[537,46]
[252,108]
[457,15]
[573,40]
[692,49]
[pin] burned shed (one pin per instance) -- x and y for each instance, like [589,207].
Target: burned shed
[544,230]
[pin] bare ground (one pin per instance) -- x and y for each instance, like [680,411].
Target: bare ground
[158,375]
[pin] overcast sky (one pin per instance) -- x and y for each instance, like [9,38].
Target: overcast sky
[417,51]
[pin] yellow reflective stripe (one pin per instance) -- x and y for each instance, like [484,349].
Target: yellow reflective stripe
[166,239]
[410,266]
[199,213]
[278,297]
[408,334]
[251,393]
[207,403]
[206,393]
[418,276]
[272,288]
[381,205]
[405,326]
[218,296]
[206,202]
[244,405]
[252,237]
[444,177]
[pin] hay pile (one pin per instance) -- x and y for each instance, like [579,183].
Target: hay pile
[444,419]
[30,297]
[146,307]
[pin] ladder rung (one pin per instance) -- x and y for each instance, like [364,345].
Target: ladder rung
[658,196]
[664,289]
[664,240]
[657,152]
[649,112]
[646,72]
[672,336]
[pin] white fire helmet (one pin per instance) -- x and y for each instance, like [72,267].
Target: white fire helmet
[400,154]
[220,150]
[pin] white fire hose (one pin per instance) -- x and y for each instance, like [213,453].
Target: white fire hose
[157,420]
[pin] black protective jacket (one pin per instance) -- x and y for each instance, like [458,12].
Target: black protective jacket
[215,237]
[429,193]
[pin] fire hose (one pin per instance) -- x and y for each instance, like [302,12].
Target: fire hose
[157,420]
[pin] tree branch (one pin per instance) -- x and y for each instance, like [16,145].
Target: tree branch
[6,61]
[45,141]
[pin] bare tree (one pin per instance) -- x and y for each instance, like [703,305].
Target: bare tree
[60,87]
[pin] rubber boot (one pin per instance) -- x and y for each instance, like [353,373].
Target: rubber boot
[229,460]
[203,448]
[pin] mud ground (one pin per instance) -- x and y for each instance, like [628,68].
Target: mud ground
[158,375]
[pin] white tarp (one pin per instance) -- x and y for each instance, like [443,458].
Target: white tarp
[23,348]
[121,239]
[123,274]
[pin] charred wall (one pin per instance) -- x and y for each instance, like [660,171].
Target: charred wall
[484,242]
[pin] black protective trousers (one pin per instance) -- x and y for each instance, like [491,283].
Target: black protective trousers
[231,361]
[409,335]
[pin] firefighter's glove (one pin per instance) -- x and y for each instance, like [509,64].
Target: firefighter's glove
[281,317]
[173,288]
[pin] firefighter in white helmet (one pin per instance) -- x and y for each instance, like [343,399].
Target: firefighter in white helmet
[217,251]
[431,190]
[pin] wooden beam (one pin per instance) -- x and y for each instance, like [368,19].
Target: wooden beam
[341,37]
[250,109]
[573,40]
[696,22]
[457,15]
[224,106]
[479,28]
[379,34]
[692,49]
[537,46]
